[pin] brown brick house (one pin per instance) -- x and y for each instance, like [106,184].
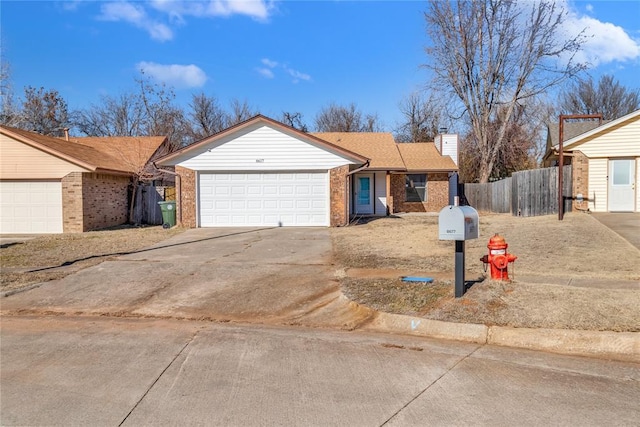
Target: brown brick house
[54,185]
[264,173]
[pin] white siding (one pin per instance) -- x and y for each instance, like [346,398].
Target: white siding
[619,141]
[21,161]
[380,196]
[598,184]
[264,149]
[638,184]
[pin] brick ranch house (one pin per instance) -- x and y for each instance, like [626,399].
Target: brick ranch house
[264,173]
[605,159]
[55,185]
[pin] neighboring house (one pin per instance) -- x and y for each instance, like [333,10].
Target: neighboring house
[605,161]
[53,185]
[264,173]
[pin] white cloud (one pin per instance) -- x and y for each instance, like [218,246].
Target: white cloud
[589,7]
[297,75]
[136,15]
[269,63]
[271,66]
[257,9]
[605,42]
[174,74]
[265,72]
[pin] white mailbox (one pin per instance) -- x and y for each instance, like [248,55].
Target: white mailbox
[458,223]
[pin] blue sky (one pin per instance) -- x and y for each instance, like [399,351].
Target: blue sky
[278,56]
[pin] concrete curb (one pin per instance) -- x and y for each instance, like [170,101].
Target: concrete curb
[623,346]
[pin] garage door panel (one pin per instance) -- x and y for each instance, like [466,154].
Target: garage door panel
[264,199]
[30,207]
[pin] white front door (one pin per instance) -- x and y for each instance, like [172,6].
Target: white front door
[622,177]
[364,194]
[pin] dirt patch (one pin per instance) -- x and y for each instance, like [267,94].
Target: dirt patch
[55,256]
[571,274]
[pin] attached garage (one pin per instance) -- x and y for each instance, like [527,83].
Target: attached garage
[30,207]
[55,185]
[264,199]
[263,173]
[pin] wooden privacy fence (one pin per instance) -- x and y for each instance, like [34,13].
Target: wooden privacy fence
[146,209]
[526,193]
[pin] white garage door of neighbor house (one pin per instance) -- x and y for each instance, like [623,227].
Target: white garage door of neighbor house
[264,199]
[30,207]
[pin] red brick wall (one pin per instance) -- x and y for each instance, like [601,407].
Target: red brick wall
[339,207]
[186,204]
[580,185]
[93,201]
[437,194]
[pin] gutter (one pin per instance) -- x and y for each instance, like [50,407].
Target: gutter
[178,189]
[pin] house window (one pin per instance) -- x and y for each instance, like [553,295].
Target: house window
[416,187]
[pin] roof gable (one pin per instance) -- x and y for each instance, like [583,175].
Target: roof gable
[93,154]
[248,126]
[600,130]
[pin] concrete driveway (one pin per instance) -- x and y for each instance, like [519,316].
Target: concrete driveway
[626,224]
[269,275]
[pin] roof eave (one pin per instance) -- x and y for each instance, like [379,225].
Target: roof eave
[53,152]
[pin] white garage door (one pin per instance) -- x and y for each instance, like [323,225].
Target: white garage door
[264,199]
[30,207]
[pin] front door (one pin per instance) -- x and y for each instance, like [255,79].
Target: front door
[622,177]
[364,194]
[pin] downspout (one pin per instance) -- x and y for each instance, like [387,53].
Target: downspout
[178,189]
[347,185]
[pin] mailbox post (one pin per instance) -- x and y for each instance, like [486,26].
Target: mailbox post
[458,223]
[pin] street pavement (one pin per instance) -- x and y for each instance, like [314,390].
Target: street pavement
[98,371]
[249,327]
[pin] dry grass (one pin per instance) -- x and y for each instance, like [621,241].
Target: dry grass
[55,256]
[550,253]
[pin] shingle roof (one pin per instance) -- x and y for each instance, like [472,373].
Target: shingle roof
[94,155]
[570,130]
[379,147]
[424,156]
[132,152]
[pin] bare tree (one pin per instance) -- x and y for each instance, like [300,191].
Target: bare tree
[44,111]
[114,116]
[148,111]
[492,55]
[608,97]
[337,118]
[422,119]
[294,120]
[10,114]
[207,117]
[239,112]
[517,153]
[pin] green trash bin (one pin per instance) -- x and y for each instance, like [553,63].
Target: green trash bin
[168,214]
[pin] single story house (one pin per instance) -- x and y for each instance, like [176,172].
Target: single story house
[264,173]
[605,162]
[55,185]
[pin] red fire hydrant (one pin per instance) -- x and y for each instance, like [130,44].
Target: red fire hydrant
[498,258]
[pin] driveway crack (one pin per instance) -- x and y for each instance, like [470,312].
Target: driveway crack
[157,379]
[431,385]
